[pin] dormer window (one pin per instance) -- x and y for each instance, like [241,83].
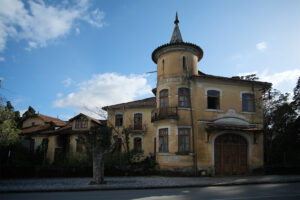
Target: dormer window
[78,123]
[84,123]
[81,123]
[213,99]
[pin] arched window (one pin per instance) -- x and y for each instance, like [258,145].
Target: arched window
[183,98]
[248,102]
[137,144]
[213,99]
[138,118]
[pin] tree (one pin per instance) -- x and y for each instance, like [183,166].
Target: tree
[29,113]
[281,128]
[100,142]
[8,127]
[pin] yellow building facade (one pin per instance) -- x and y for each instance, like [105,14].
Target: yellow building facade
[60,139]
[196,123]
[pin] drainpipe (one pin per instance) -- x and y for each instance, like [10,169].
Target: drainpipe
[192,123]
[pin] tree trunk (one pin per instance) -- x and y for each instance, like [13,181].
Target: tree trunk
[98,165]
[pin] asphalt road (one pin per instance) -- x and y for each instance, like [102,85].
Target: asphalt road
[252,192]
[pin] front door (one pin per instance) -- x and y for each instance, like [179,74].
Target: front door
[230,155]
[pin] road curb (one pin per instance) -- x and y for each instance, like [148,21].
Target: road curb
[149,187]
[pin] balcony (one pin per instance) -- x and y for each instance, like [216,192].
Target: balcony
[164,113]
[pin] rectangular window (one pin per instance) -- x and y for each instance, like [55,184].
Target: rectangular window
[213,99]
[183,98]
[184,140]
[248,102]
[138,117]
[163,140]
[84,123]
[119,120]
[137,144]
[78,123]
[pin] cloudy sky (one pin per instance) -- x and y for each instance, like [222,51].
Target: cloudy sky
[71,56]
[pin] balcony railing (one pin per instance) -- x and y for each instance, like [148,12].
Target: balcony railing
[164,113]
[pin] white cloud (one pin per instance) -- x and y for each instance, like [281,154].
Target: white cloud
[67,82]
[105,89]
[284,81]
[261,46]
[2,59]
[59,95]
[39,22]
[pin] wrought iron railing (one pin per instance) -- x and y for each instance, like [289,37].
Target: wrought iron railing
[164,113]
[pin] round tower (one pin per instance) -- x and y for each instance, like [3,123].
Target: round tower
[173,117]
[177,58]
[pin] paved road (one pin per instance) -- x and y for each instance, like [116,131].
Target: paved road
[251,192]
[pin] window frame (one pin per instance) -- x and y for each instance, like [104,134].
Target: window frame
[218,97]
[183,135]
[139,117]
[163,141]
[246,100]
[120,118]
[164,97]
[78,123]
[84,122]
[186,98]
[138,145]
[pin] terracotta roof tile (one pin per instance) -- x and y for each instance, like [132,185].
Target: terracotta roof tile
[55,121]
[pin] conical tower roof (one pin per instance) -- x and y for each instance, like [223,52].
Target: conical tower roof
[177,44]
[176,36]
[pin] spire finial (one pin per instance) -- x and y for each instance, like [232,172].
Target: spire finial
[176,19]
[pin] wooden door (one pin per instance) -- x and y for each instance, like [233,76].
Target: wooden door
[230,155]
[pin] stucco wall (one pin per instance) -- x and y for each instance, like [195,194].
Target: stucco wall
[28,122]
[128,120]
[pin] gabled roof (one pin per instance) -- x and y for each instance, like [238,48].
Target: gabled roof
[148,102]
[36,128]
[55,121]
[97,121]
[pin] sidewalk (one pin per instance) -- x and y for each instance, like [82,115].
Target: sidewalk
[125,183]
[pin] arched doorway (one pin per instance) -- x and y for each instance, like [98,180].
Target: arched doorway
[230,155]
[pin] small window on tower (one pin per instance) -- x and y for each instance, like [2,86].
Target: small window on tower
[163,65]
[184,62]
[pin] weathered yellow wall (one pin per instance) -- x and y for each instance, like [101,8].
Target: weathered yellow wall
[172,77]
[128,117]
[52,144]
[28,122]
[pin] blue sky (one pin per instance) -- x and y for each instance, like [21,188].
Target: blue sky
[66,57]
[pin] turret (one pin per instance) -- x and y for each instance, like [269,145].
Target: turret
[177,58]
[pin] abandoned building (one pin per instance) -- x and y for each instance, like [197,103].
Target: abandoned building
[196,123]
